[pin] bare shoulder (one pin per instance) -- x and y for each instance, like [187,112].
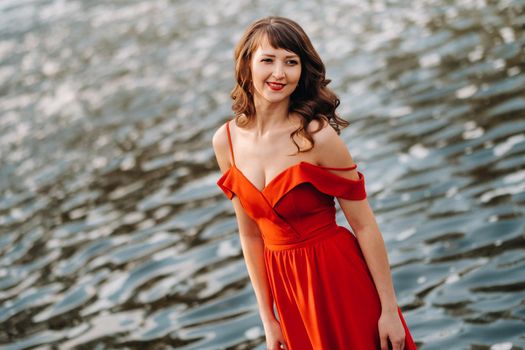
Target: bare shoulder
[221,147]
[219,139]
[330,149]
[320,129]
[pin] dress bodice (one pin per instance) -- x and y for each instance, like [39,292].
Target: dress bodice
[300,199]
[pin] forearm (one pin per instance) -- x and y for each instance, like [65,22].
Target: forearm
[374,250]
[253,251]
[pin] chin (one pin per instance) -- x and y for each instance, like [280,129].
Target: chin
[276,98]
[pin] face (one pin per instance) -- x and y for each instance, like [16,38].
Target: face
[275,73]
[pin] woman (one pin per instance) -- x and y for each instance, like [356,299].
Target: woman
[283,163]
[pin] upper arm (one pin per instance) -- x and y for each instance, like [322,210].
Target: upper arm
[221,149]
[333,152]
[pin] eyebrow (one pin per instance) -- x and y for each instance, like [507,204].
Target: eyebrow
[267,54]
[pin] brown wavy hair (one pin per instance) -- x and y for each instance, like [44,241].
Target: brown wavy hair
[312,99]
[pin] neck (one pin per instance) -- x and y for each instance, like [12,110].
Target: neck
[270,116]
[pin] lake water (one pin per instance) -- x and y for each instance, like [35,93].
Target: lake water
[114,234]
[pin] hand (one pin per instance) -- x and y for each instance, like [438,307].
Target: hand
[274,336]
[391,328]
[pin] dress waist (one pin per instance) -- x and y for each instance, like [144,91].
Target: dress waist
[310,239]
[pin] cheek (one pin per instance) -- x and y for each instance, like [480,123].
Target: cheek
[259,72]
[297,75]
[297,71]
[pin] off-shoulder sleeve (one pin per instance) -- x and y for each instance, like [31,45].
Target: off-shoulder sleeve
[331,183]
[224,183]
[324,180]
[336,185]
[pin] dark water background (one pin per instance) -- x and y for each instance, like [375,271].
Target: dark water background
[114,234]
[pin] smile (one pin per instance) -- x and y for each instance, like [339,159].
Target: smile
[275,86]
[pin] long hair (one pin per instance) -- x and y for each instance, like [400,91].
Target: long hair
[312,99]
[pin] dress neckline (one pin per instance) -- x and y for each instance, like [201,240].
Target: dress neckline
[282,173]
[285,171]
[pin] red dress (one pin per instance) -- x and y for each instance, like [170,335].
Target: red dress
[323,291]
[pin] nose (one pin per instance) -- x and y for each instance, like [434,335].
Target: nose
[278,71]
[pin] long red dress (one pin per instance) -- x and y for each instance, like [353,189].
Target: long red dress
[323,290]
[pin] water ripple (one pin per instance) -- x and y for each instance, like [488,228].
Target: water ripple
[115,235]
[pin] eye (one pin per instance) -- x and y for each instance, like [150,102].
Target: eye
[266,59]
[293,61]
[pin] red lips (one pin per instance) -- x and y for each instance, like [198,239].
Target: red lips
[275,86]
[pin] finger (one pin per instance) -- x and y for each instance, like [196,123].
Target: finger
[384,342]
[397,345]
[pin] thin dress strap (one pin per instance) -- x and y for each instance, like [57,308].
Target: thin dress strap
[332,168]
[230,140]
[319,166]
